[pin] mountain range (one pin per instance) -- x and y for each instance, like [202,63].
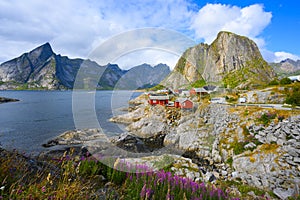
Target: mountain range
[287,67]
[41,68]
[231,60]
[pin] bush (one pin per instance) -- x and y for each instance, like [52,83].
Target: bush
[293,97]
[238,147]
[274,82]
[285,81]
[198,83]
[266,118]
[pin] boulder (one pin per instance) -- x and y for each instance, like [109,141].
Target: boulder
[283,194]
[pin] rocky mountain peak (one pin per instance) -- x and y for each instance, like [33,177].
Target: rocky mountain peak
[287,67]
[41,53]
[231,59]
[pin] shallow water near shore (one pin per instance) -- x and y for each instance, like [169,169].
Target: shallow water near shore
[42,115]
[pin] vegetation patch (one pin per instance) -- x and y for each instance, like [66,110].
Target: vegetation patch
[157,87]
[73,177]
[198,83]
[269,148]
[266,118]
[293,96]
[285,81]
[238,147]
[245,189]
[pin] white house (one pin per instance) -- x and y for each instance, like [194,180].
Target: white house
[218,100]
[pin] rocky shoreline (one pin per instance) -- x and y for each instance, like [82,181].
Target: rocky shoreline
[214,143]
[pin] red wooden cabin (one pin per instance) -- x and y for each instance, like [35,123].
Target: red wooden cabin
[158,100]
[184,103]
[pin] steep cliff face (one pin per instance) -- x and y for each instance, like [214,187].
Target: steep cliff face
[25,67]
[41,68]
[36,69]
[231,59]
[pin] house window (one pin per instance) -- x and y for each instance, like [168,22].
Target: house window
[154,101]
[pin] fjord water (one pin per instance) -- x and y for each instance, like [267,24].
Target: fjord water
[42,115]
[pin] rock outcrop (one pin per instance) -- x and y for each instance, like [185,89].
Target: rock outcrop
[5,100]
[228,143]
[231,59]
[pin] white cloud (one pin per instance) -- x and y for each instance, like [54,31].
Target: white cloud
[248,21]
[280,56]
[270,56]
[150,45]
[75,27]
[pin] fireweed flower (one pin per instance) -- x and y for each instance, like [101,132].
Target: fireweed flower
[148,193]
[143,191]
[43,189]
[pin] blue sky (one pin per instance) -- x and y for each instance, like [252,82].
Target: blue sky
[76,27]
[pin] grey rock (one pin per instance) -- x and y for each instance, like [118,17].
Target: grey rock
[292,151]
[171,138]
[250,145]
[188,141]
[271,138]
[283,194]
[262,133]
[148,127]
[281,142]
[297,159]
[130,116]
[224,173]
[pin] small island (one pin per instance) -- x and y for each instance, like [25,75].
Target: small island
[6,100]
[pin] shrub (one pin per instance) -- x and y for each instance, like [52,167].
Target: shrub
[265,118]
[238,147]
[274,82]
[285,81]
[293,97]
[198,83]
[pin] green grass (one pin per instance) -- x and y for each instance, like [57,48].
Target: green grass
[198,83]
[293,96]
[244,189]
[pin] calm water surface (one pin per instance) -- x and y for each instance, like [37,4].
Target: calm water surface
[42,115]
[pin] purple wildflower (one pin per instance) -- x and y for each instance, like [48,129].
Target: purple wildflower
[82,158]
[220,193]
[43,189]
[148,193]
[194,186]
[143,191]
[211,193]
[169,197]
